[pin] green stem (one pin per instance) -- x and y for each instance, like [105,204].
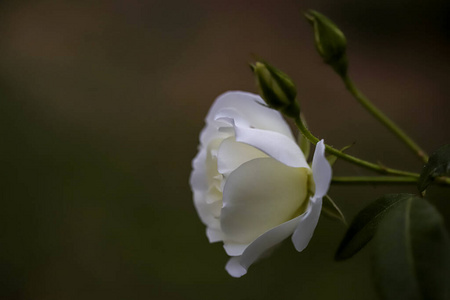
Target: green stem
[350,158]
[373,180]
[380,116]
[444,181]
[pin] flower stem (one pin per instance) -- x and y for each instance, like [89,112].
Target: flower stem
[373,180]
[380,116]
[357,161]
[443,181]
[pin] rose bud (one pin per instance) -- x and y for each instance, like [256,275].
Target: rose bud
[277,89]
[330,41]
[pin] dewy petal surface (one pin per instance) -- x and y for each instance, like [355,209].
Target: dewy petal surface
[261,194]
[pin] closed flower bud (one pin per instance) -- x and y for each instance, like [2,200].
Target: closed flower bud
[330,41]
[277,89]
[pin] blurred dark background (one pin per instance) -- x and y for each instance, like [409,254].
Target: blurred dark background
[101,105]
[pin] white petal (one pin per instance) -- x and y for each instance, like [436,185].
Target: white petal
[232,154]
[307,224]
[213,131]
[321,171]
[232,116]
[238,265]
[198,180]
[322,178]
[252,108]
[234,249]
[208,212]
[258,126]
[234,267]
[274,144]
[259,195]
[214,235]
[205,175]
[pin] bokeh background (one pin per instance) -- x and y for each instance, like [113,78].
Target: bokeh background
[101,104]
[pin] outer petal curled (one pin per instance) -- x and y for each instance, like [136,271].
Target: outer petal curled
[251,107]
[321,171]
[278,145]
[303,226]
[322,178]
[259,195]
[238,265]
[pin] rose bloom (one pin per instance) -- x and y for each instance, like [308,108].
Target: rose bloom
[251,183]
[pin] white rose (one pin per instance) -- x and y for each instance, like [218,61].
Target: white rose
[251,183]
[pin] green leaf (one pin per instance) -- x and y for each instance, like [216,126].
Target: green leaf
[412,252]
[364,225]
[437,165]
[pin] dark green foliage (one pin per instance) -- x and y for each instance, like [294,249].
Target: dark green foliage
[437,165]
[412,252]
[364,225]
